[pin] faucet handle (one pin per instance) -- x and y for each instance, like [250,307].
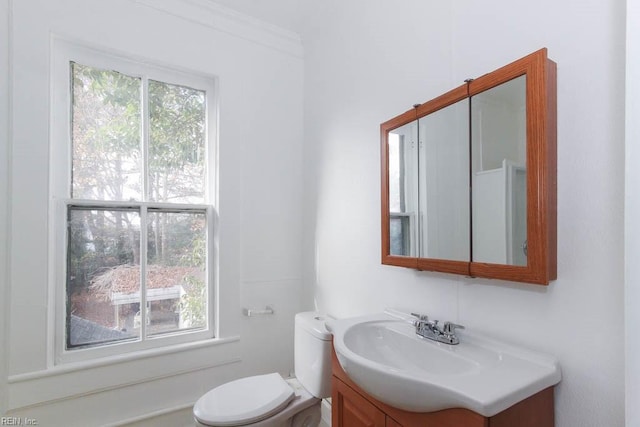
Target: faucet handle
[449,328]
[423,317]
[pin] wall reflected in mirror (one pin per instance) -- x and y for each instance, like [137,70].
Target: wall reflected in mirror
[444,183]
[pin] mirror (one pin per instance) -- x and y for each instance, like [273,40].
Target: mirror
[443,184]
[428,185]
[499,198]
[469,178]
[403,189]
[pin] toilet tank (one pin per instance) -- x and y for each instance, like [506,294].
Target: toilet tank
[312,354]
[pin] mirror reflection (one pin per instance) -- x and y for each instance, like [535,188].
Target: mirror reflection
[429,185]
[403,189]
[499,174]
[444,183]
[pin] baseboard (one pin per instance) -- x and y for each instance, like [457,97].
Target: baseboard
[180,416]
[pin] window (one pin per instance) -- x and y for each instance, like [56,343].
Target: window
[136,190]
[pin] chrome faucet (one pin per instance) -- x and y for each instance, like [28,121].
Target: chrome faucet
[429,329]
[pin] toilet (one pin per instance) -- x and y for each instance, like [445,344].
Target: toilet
[269,400]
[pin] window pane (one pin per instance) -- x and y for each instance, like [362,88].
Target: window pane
[176,274]
[105,135]
[400,241]
[103,276]
[176,143]
[396,173]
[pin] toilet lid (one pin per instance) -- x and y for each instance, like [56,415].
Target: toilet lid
[244,401]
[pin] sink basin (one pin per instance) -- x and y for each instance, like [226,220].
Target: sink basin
[383,355]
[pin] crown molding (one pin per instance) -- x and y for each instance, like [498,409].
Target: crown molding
[229,21]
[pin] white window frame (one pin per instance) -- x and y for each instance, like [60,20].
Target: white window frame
[63,53]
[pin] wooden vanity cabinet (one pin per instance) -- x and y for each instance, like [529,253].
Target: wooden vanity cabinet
[353,407]
[349,408]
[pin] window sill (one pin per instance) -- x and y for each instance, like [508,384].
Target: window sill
[69,367]
[78,379]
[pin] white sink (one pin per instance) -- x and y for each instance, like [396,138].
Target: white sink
[383,355]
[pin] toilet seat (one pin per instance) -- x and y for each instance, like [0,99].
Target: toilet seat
[244,401]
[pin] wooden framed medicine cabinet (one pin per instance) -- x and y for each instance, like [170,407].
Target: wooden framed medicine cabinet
[468,178]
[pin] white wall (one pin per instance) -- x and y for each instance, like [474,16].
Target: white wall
[632,213]
[356,77]
[260,70]
[283,13]
[4,187]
